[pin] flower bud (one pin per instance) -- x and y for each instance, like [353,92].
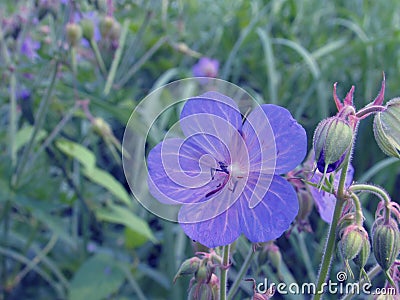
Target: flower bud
[74,34]
[188,267]
[362,257]
[387,128]
[101,127]
[204,272]
[106,25]
[214,284]
[87,29]
[201,291]
[385,242]
[332,141]
[306,203]
[115,31]
[352,241]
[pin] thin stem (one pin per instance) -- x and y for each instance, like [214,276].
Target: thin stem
[357,204]
[242,272]
[13,118]
[97,54]
[330,244]
[38,124]
[377,191]
[117,58]
[224,271]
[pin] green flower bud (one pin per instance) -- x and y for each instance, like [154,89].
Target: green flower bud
[306,203]
[385,242]
[352,241]
[204,272]
[87,29]
[332,140]
[387,128]
[74,34]
[106,25]
[115,31]
[188,267]
[201,291]
[101,127]
[362,257]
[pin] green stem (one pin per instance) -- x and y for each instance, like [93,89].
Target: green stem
[377,191]
[224,271]
[330,244]
[13,118]
[242,272]
[97,54]
[38,124]
[357,204]
[117,58]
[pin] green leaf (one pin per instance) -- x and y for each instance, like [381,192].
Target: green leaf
[79,152]
[121,215]
[24,134]
[96,279]
[133,239]
[107,181]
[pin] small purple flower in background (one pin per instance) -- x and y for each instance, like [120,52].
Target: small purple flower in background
[226,172]
[30,47]
[206,67]
[325,201]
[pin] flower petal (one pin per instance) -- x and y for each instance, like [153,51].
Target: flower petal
[273,215]
[289,136]
[181,172]
[222,230]
[325,201]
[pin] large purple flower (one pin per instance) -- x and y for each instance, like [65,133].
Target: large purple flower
[225,173]
[325,201]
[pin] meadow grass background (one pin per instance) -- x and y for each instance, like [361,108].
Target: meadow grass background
[69,228]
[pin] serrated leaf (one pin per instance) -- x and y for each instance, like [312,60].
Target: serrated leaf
[121,215]
[79,152]
[96,279]
[107,181]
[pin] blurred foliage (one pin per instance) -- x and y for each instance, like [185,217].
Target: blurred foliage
[69,228]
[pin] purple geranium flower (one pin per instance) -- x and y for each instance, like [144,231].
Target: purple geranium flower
[225,173]
[206,67]
[325,201]
[29,48]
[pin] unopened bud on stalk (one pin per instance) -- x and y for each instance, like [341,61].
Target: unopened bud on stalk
[352,241]
[106,25]
[385,242]
[87,29]
[332,140]
[74,34]
[387,128]
[188,267]
[201,291]
[362,257]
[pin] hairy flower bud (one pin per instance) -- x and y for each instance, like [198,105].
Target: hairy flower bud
[74,34]
[387,128]
[204,272]
[106,25]
[352,241]
[362,257]
[385,242]
[87,29]
[201,291]
[332,141]
[188,267]
[214,284]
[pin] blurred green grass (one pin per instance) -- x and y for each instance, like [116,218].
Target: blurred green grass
[284,52]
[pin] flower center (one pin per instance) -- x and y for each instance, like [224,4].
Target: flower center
[236,171]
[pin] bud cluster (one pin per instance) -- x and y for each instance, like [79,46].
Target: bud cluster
[204,283]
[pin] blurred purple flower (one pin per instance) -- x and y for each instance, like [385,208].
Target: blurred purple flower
[206,67]
[29,48]
[325,201]
[225,174]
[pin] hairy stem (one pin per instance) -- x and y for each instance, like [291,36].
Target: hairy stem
[242,272]
[330,244]
[224,271]
[357,204]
